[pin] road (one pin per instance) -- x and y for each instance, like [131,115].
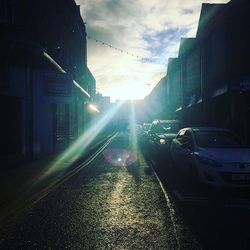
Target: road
[114,202]
[122,198]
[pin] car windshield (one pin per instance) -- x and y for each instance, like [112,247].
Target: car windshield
[170,128]
[217,139]
[146,127]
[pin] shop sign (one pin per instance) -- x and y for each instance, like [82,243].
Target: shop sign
[57,86]
[245,85]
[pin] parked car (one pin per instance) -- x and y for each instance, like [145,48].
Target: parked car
[146,127]
[161,134]
[144,133]
[138,129]
[212,156]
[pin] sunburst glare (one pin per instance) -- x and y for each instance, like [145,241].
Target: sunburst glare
[76,150]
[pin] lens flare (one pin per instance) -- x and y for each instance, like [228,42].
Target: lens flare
[77,149]
[120,157]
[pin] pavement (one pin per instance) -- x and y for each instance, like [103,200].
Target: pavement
[20,181]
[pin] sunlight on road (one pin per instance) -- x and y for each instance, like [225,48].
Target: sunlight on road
[133,127]
[124,211]
[77,149]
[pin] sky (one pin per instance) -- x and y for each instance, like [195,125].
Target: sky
[147,31]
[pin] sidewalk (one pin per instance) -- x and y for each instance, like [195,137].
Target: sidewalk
[18,183]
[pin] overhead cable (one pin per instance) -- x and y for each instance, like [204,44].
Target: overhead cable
[142,59]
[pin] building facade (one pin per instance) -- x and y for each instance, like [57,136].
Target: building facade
[43,76]
[208,84]
[155,102]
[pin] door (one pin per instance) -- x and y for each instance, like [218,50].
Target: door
[10,126]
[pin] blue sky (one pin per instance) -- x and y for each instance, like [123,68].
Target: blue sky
[149,29]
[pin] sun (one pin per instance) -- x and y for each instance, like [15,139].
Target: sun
[131,91]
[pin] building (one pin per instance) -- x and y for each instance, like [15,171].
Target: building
[225,67]
[174,90]
[103,102]
[58,27]
[155,103]
[190,67]
[209,81]
[90,83]
[43,76]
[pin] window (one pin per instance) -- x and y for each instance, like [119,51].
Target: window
[167,128]
[185,139]
[217,139]
[180,135]
[188,136]
[153,128]
[7,12]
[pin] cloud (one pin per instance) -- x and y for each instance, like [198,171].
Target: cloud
[150,29]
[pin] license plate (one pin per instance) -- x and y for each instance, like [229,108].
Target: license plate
[240,177]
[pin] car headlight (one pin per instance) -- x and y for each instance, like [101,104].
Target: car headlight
[208,161]
[163,141]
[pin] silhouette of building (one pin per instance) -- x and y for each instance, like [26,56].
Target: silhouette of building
[43,52]
[209,83]
[189,56]
[174,90]
[103,102]
[155,102]
[56,25]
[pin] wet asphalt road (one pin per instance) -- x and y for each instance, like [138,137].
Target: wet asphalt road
[107,205]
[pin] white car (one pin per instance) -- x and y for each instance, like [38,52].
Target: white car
[213,156]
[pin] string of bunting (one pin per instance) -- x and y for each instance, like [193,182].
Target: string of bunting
[142,59]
